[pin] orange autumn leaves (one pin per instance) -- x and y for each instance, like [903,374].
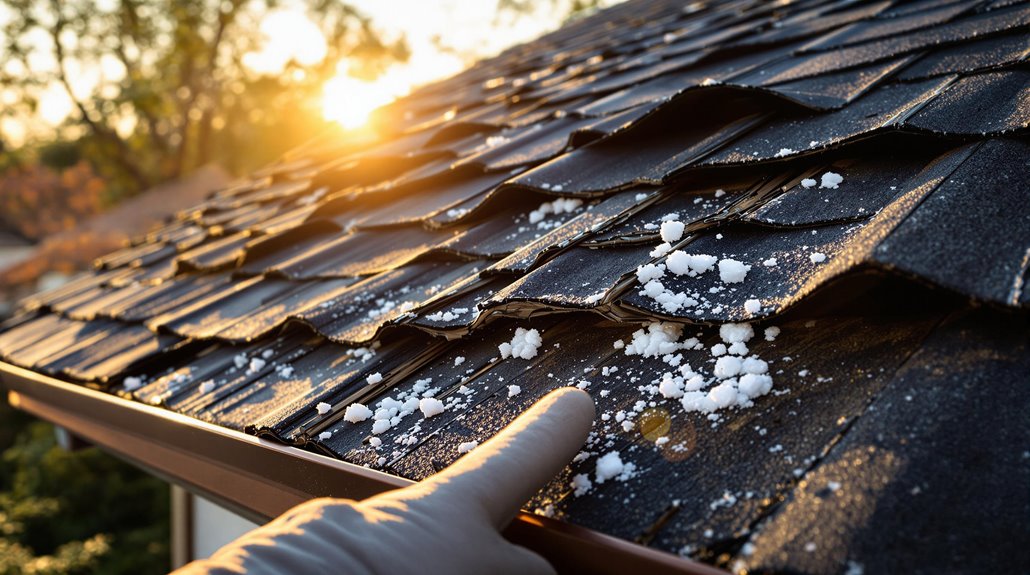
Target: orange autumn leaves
[37,201]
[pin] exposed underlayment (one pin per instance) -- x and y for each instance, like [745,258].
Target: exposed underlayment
[785,248]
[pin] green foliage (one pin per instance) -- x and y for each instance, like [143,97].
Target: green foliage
[81,512]
[60,155]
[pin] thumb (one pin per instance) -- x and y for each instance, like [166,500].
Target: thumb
[500,475]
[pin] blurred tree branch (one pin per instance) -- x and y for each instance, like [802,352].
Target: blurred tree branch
[121,151]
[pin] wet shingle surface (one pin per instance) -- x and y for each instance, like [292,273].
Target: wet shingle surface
[853,176]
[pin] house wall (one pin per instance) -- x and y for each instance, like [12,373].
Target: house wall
[10,255]
[201,527]
[214,526]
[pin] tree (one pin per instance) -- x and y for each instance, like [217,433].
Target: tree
[175,91]
[39,201]
[81,512]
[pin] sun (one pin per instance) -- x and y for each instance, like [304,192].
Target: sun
[350,101]
[290,35]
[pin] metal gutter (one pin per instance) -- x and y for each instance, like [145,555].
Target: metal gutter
[260,479]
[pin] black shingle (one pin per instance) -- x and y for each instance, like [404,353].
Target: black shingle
[991,102]
[971,233]
[888,497]
[871,186]
[355,316]
[891,24]
[977,55]
[791,136]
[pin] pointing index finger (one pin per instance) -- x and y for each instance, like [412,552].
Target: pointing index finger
[503,473]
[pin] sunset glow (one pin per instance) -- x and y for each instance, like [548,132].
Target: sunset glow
[349,101]
[442,36]
[346,99]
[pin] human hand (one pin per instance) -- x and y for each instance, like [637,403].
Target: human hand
[449,523]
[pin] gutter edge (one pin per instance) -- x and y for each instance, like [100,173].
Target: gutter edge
[260,479]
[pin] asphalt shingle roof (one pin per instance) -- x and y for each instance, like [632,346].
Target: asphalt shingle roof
[895,439]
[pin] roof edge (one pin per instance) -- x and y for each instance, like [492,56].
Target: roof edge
[260,479]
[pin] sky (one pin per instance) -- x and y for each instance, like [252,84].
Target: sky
[469,30]
[445,36]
